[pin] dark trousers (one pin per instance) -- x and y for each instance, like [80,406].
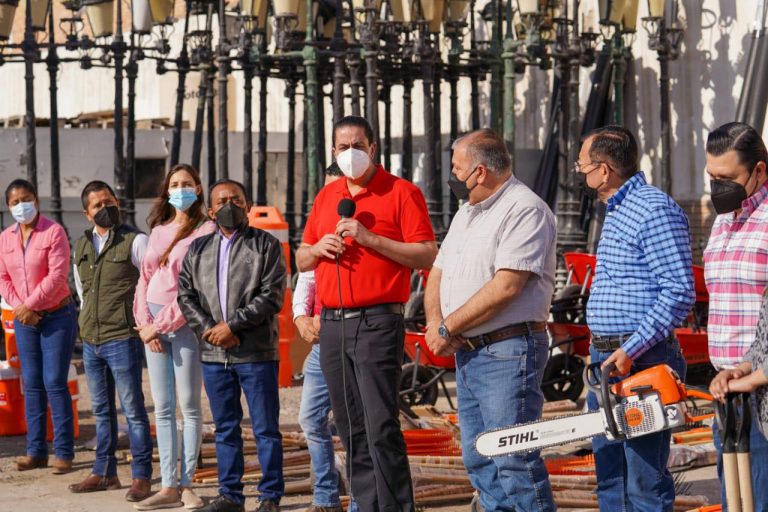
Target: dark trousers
[223,384]
[364,382]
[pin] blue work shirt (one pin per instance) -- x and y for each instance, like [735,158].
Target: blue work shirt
[643,281]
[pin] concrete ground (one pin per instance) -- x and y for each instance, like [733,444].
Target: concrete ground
[40,491]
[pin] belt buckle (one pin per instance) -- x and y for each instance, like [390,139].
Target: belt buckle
[471,345]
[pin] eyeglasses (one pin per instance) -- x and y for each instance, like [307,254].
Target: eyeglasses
[577,167]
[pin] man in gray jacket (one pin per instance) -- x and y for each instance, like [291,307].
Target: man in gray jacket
[231,289]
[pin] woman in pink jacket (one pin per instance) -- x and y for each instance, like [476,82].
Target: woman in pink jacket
[173,357]
[34,266]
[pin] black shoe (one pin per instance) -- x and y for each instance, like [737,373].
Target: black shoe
[222,504]
[268,506]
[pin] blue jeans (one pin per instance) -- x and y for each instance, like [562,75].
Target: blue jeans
[116,366]
[176,373]
[313,418]
[632,475]
[498,386]
[259,383]
[45,351]
[758,451]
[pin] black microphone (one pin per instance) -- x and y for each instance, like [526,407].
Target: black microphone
[346,208]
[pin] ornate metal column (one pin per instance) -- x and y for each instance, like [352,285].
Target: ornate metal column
[52,63]
[29,48]
[665,37]
[222,61]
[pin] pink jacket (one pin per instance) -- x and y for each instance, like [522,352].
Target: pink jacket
[159,285]
[37,275]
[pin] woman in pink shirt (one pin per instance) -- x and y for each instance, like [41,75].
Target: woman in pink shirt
[172,351]
[34,265]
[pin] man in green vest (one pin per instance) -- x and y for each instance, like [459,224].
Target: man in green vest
[106,268]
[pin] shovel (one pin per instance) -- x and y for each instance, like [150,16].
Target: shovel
[734,420]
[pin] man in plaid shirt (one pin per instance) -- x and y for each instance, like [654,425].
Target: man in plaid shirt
[642,290]
[736,268]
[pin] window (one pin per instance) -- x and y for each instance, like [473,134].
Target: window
[150,173]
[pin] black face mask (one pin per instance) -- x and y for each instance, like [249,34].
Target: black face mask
[460,188]
[581,181]
[727,195]
[108,217]
[230,216]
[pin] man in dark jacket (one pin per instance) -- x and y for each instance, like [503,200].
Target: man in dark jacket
[230,290]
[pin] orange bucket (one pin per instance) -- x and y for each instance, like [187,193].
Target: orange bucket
[11,402]
[11,351]
[269,219]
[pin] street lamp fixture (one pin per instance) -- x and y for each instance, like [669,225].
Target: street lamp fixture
[100,17]
[39,14]
[7,11]
[611,11]
[454,24]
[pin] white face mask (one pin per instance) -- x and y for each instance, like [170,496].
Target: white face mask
[353,163]
[24,213]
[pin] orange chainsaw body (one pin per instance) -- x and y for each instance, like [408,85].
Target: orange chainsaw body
[660,379]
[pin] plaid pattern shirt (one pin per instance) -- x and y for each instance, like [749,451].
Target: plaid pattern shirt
[643,282]
[736,272]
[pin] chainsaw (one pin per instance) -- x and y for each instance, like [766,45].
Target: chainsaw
[648,401]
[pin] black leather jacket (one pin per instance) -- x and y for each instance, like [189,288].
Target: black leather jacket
[255,290]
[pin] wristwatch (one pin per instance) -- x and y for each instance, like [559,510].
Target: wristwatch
[443,331]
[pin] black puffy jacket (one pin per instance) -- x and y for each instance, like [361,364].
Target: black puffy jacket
[255,291]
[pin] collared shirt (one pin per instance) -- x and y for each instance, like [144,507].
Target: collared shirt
[511,230]
[388,206]
[224,248]
[736,272]
[138,248]
[304,295]
[643,282]
[35,275]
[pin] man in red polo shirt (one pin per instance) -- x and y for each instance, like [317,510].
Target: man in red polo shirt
[389,234]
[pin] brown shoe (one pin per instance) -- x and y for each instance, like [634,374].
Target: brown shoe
[61,466]
[140,490]
[96,483]
[27,462]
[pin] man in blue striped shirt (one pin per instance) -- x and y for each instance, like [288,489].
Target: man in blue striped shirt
[642,291]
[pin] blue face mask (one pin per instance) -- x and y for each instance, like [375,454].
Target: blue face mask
[24,213]
[182,198]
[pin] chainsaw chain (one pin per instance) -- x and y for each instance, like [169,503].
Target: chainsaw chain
[542,420]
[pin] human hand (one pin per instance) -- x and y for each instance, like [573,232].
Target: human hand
[442,346]
[354,229]
[307,329]
[217,334]
[330,246]
[25,315]
[720,386]
[154,345]
[231,341]
[748,383]
[147,333]
[622,361]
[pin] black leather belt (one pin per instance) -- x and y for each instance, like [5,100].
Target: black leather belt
[347,313]
[611,343]
[510,331]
